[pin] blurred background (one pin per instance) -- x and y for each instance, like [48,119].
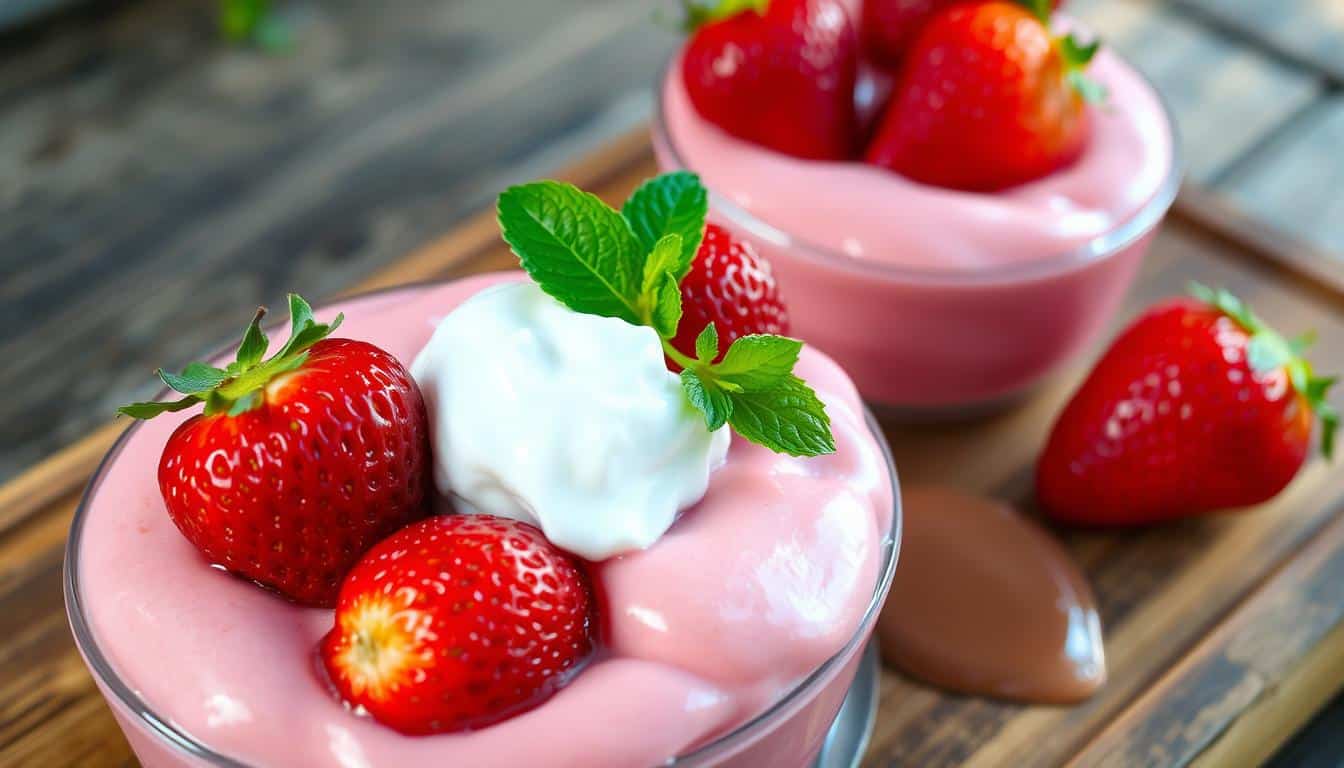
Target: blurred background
[167,164]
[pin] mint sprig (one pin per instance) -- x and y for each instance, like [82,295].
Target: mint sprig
[630,265]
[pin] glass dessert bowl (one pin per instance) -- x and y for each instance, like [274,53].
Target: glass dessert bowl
[938,301]
[201,668]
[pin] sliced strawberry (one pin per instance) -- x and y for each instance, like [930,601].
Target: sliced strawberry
[731,286]
[458,622]
[1197,407]
[299,463]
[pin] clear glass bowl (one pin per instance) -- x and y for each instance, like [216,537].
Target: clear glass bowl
[787,735]
[928,342]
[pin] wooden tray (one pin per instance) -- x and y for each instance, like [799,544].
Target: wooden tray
[1222,635]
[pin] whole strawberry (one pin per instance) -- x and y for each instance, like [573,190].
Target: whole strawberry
[1196,407]
[779,73]
[988,98]
[458,622]
[300,462]
[731,286]
[888,27]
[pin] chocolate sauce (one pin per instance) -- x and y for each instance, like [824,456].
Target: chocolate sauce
[986,602]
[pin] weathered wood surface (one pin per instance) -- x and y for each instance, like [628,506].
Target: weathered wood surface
[153,181]
[1223,631]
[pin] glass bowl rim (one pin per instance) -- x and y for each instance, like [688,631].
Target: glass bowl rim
[126,697]
[1098,248]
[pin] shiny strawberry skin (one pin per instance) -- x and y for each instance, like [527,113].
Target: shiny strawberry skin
[458,622]
[888,27]
[1173,421]
[783,79]
[983,103]
[732,286]
[291,493]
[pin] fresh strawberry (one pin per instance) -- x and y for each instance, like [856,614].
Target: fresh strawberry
[988,98]
[1196,407]
[458,622]
[888,27]
[300,462]
[779,73]
[731,286]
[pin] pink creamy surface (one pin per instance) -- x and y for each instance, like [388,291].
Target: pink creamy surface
[874,214]
[751,590]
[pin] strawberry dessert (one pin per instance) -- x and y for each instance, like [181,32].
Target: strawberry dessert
[599,512]
[1198,407]
[925,177]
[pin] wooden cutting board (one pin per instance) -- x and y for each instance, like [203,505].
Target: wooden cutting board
[1223,635]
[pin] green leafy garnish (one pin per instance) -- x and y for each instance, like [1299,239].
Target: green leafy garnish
[701,12]
[1268,351]
[237,388]
[1075,53]
[629,265]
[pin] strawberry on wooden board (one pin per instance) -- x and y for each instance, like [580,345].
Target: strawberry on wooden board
[778,73]
[732,287]
[300,462]
[888,27]
[1197,407]
[458,622]
[988,98]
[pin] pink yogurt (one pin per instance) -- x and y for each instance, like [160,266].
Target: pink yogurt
[934,298]
[759,598]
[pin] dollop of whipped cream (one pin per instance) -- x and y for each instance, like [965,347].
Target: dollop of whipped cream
[568,421]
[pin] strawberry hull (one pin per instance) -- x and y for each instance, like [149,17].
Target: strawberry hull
[938,301]
[202,668]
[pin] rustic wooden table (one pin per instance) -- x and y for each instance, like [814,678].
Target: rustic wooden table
[152,182]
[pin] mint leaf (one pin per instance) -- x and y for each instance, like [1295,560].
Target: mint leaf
[663,259]
[660,300]
[711,400]
[665,301]
[787,418]
[707,344]
[759,361]
[575,247]
[671,204]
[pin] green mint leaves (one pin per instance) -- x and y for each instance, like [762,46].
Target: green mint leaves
[629,265]
[237,387]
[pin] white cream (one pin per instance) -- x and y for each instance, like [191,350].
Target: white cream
[568,421]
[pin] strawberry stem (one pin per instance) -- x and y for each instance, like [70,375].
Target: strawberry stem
[239,387]
[700,13]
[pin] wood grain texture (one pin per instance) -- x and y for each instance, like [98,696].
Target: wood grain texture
[153,181]
[1226,96]
[1205,620]
[1307,31]
[1298,180]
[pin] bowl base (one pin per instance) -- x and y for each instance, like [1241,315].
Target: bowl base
[847,739]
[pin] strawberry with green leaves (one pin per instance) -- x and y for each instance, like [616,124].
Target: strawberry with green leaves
[299,462]
[778,73]
[988,98]
[631,265]
[1198,406]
